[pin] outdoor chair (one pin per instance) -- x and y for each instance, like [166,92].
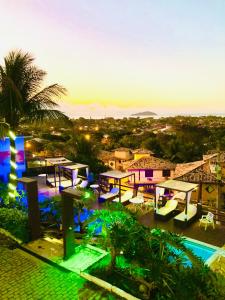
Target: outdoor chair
[110,195]
[207,220]
[125,197]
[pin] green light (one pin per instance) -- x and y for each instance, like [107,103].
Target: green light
[13,164]
[12,176]
[11,195]
[87,195]
[11,186]
[12,135]
[13,150]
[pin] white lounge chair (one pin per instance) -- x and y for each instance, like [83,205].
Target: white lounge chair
[110,195]
[191,213]
[83,184]
[179,196]
[125,197]
[77,181]
[166,211]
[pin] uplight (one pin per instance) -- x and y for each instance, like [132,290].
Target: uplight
[13,164]
[12,135]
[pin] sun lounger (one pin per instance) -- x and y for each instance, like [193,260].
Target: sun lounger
[83,184]
[110,195]
[125,197]
[165,212]
[182,219]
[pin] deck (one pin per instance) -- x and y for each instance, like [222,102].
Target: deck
[212,236]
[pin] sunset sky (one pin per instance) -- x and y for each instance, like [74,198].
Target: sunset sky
[116,57]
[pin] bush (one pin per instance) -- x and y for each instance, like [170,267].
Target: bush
[15,221]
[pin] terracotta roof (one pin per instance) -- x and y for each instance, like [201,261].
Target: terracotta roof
[126,164]
[208,156]
[151,163]
[142,151]
[198,175]
[182,169]
[214,155]
[106,155]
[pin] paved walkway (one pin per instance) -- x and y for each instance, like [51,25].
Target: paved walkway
[24,277]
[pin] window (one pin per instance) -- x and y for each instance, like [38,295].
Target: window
[148,173]
[166,173]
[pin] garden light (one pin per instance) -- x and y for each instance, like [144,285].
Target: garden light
[13,150]
[12,176]
[12,187]
[11,195]
[87,137]
[13,164]
[12,135]
[87,195]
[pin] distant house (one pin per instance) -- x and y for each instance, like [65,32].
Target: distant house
[115,159]
[139,153]
[123,153]
[150,170]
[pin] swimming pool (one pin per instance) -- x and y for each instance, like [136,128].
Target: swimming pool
[200,249]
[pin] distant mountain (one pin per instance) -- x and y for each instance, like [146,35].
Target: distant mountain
[144,114]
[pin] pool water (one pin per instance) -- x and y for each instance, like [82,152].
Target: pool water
[202,251]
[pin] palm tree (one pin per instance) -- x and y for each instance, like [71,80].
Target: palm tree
[22,99]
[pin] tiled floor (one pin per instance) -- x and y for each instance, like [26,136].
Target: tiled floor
[24,277]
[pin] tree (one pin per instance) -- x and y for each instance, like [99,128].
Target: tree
[23,100]
[85,151]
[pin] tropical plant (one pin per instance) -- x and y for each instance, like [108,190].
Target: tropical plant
[22,100]
[51,210]
[153,258]
[14,221]
[20,195]
[85,151]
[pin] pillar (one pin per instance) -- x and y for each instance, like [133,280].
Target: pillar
[31,188]
[68,197]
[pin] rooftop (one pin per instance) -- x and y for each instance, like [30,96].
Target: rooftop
[182,169]
[150,163]
[142,151]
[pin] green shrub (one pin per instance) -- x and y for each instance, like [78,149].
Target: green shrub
[14,221]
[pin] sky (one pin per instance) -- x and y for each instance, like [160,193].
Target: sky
[118,57]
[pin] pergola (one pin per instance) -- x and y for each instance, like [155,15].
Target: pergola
[63,166]
[73,169]
[55,162]
[175,185]
[117,176]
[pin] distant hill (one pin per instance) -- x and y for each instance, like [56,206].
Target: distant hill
[144,114]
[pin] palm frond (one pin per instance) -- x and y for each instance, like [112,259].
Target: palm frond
[41,115]
[20,95]
[4,128]
[43,99]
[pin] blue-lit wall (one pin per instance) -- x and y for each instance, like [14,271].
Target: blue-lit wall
[5,158]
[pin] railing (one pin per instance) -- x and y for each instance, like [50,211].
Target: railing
[218,213]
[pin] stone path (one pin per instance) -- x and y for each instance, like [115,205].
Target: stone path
[24,277]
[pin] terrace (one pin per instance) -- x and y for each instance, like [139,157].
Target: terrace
[63,244]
